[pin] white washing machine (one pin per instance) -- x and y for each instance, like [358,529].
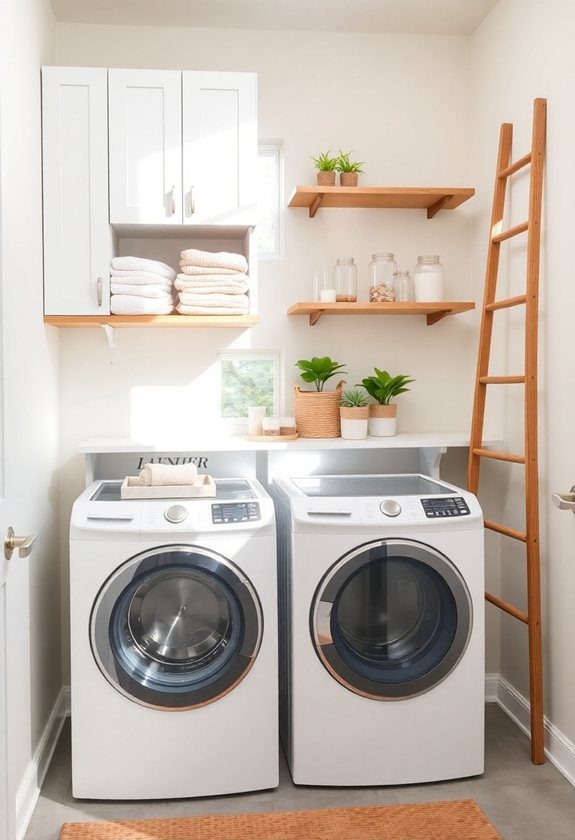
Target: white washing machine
[381,629]
[173,644]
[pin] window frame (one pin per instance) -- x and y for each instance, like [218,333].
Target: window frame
[274,149]
[239,425]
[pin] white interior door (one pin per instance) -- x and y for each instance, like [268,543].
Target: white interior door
[145,144]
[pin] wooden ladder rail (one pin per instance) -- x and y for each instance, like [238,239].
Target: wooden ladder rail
[532,618]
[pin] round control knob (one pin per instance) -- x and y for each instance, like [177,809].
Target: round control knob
[390,507]
[176,513]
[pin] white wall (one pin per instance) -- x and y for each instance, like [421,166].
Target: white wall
[31,389]
[522,51]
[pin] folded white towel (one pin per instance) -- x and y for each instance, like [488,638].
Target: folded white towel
[138,264]
[169,474]
[206,269]
[132,305]
[221,259]
[210,310]
[144,278]
[160,292]
[213,283]
[230,301]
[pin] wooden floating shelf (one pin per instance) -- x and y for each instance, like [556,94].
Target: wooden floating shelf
[432,199]
[434,310]
[238,322]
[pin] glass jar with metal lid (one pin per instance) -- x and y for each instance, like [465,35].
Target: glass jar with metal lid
[381,271]
[345,277]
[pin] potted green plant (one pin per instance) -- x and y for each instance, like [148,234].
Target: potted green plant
[382,388]
[326,167]
[317,412]
[354,414]
[349,170]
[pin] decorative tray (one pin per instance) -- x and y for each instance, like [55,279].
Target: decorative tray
[273,438]
[204,486]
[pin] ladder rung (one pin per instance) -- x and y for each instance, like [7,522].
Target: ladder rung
[503,529]
[507,234]
[501,380]
[506,303]
[508,608]
[499,456]
[515,167]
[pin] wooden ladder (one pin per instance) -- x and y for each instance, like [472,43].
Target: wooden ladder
[532,618]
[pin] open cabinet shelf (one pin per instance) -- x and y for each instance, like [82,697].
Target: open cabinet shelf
[238,322]
[434,310]
[432,199]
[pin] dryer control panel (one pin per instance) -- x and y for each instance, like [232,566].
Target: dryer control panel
[231,512]
[436,508]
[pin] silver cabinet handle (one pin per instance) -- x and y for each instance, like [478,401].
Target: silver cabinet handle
[192,202]
[99,286]
[172,209]
[23,544]
[565,501]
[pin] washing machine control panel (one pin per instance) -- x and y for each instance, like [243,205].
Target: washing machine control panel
[436,508]
[230,512]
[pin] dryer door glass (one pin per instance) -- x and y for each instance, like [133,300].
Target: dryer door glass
[176,628]
[391,619]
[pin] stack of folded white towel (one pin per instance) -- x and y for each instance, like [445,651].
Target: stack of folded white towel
[212,283]
[141,287]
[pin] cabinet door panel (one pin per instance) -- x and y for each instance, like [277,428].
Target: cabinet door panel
[220,147]
[75,180]
[145,147]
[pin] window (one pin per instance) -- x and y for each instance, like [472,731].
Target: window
[270,201]
[248,378]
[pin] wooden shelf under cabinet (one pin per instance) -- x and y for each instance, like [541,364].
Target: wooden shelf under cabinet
[432,199]
[434,310]
[239,322]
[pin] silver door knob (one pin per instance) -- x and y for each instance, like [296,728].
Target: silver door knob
[565,501]
[23,544]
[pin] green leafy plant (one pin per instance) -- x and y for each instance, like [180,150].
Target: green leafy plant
[344,164]
[325,163]
[318,370]
[354,398]
[383,388]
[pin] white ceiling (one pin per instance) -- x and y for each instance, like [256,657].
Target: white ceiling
[426,17]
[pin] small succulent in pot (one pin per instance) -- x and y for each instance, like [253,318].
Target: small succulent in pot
[354,414]
[354,398]
[382,387]
[348,169]
[318,370]
[326,168]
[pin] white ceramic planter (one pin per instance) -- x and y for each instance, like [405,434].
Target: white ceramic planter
[382,420]
[354,422]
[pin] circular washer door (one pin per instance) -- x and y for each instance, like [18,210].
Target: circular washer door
[391,619]
[176,627]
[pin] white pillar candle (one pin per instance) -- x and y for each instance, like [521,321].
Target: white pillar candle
[256,414]
[327,296]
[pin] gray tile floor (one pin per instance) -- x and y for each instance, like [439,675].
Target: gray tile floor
[522,801]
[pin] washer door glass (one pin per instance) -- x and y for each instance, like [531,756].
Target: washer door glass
[391,619]
[176,628]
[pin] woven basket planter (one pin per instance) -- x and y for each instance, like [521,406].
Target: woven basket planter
[317,412]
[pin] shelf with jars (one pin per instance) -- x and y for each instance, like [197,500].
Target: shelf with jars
[433,310]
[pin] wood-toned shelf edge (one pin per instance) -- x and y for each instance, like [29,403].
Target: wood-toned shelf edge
[230,321]
[434,310]
[431,199]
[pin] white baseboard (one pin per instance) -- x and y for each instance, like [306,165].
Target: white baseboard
[558,748]
[29,788]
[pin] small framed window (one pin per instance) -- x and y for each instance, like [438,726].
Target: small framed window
[248,377]
[269,230]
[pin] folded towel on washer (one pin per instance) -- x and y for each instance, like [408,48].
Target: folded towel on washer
[206,269]
[153,291]
[138,264]
[143,278]
[133,305]
[220,259]
[169,474]
[223,284]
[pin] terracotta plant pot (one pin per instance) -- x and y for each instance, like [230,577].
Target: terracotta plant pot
[382,420]
[354,421]
[348,179]
[326,179]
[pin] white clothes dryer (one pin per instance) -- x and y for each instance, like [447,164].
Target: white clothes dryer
[173,643]
[381,629]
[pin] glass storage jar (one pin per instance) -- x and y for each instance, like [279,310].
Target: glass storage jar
[345,277]
[428,279]
[403,285]
[381,283]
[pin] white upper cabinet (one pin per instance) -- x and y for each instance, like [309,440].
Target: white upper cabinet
[219,147]
[75,182]
[145,128]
